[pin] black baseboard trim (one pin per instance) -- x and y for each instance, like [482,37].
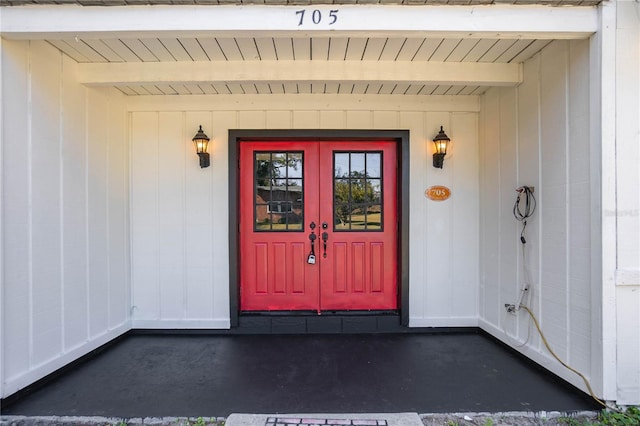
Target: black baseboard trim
[375,322]
[557,379]
[28,390]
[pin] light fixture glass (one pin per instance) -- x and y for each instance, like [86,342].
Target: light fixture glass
[441,143]
[201,142]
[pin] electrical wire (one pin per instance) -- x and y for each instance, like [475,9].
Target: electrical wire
[522,215]
[564,364]
[529,208]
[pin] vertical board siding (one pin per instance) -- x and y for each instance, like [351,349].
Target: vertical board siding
[46,327]
[58,145]
[528,125]
[201,201]
[98,230]
[537,135]
[418,163]
[553,195]
[464,220]
[1,236]
[332,120]
[579,290]
[508,170]
[628,203]
[171,157]
[628,133]
[439,300]
[118,213]
[16,223]
[180,212]
[74,189]
[492,211]
[144,198]
[221,122]
[278,119]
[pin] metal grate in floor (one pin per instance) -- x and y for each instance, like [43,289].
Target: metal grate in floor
[286,421]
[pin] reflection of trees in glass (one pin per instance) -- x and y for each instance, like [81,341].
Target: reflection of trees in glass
[278,166]
[263,172]
[355,192]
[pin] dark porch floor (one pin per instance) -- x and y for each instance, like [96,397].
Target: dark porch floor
[216,375]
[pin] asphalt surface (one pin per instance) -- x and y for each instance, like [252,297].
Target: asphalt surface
[209,375]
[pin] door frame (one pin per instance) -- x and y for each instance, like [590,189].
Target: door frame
[401,137]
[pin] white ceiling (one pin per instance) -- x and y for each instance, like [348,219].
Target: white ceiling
[257,49]
[296,2]
[235,49]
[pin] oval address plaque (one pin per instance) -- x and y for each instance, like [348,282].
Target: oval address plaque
[438,193]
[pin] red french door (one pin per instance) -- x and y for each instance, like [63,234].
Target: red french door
[318,225]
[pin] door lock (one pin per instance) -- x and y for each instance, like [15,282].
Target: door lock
[311,259]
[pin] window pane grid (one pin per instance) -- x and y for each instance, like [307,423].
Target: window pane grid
[357,191]
[278,187]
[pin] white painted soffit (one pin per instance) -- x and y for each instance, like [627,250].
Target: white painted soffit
[183,50]
[299,2]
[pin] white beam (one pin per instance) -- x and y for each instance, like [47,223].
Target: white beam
[604,223]
[338,20]
[321,102]
[468,73]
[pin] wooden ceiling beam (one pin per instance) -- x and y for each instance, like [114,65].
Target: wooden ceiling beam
[406,72]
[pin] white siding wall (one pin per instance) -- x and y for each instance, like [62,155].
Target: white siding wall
[538,135]
[628,202]
[65,279]
[180,251]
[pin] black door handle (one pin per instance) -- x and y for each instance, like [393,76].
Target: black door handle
[325,237]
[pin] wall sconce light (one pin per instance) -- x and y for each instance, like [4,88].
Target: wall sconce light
[201,142]
[441,142]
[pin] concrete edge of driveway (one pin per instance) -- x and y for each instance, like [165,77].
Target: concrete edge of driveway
[511,418]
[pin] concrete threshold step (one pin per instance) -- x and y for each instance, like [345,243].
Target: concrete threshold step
[382,419]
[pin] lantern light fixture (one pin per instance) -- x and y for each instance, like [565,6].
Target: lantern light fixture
[201,142]
[441,142]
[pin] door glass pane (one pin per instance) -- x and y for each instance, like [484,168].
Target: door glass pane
[340,165]
[373,164]
[294,165]
[357,164]
[374,191]
[279,198]
[374,217]
[357,191]
[279,164]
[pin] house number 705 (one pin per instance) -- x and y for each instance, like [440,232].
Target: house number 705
[316,16]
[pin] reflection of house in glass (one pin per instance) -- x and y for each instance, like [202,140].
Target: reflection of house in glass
[278,207]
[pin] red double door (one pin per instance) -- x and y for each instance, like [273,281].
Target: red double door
[318,225]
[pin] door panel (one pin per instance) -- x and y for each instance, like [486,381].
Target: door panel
[349,190]
[358,193]
[275,195]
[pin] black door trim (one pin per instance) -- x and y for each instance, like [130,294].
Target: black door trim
[402,139]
